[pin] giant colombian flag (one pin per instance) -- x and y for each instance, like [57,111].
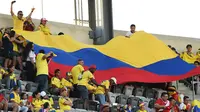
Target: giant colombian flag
[140,58]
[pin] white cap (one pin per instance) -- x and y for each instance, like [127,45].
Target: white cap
[43,93]
[114,79]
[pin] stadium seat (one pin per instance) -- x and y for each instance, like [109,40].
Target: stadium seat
[150,93]
[31,87]
[121,99]
[151,103]
[112,97]
[92,105]
[134,101]
[138,91]
[78,104]
[117,89]
[143,99]
[128,90]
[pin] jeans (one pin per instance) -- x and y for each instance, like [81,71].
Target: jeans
[23,109]
[17,83]
[83,91]
[42,81]
[101,98]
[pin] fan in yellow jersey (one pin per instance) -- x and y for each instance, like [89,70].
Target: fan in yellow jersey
[42,70]
[37,102]
[19,19]
[102,91]
[65,102]
[45,99]
[57,84]
[142,107]
[76,71]
[43,27]
[84,78]
[16,101]
[188,56]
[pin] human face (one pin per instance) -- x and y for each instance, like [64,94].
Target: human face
[173,102]
[81,63]
[20,14]
[58,73]
[142,108]
[17,91]
[37,96]
[133,29]
[189,49]
[25,96]
[186,101]
[44,23]
[165,97]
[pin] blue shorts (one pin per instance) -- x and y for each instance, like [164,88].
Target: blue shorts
[83,91]
[101,98]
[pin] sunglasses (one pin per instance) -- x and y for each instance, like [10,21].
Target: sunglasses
[21,14]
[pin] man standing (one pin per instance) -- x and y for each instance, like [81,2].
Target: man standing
[102,91]
[19,19]
[42,70]
[76,71]
[132,30]
[162,102]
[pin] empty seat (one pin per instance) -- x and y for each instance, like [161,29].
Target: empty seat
[138,91]
[78,104]
[150,93]
[128,90]
[134,101]
[117,89]
[122,99]
[92,105]
[112,97]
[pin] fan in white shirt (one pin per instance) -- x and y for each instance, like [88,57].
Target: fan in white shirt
[132,30]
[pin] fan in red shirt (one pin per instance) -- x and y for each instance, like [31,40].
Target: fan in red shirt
[172,106]
[162,102]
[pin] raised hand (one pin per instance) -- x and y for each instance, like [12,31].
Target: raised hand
[13,2]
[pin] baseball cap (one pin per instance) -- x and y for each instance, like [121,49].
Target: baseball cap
[114,79]
[43,19]
[43,93]
[93,66]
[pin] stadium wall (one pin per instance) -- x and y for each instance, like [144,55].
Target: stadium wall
[80,33]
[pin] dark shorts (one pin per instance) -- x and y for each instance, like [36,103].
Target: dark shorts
[15,54]
[8,54]
[83,91]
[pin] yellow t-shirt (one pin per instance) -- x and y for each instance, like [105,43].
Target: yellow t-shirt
[15,97]
[87,75]
[50,101]
[44,29]
[62,105]
[101,90]
[12,76]
[37,103]
[2,72]
[66,83]
[189,58]
[15,47]
[76,71]
[18,24]
[42,65]
[55,81]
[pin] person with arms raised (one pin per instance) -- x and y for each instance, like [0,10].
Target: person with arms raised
[19,19]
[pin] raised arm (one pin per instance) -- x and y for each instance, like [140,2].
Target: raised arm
[11,8]
[29,16]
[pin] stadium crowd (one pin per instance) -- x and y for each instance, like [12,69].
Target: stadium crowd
[79,82]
